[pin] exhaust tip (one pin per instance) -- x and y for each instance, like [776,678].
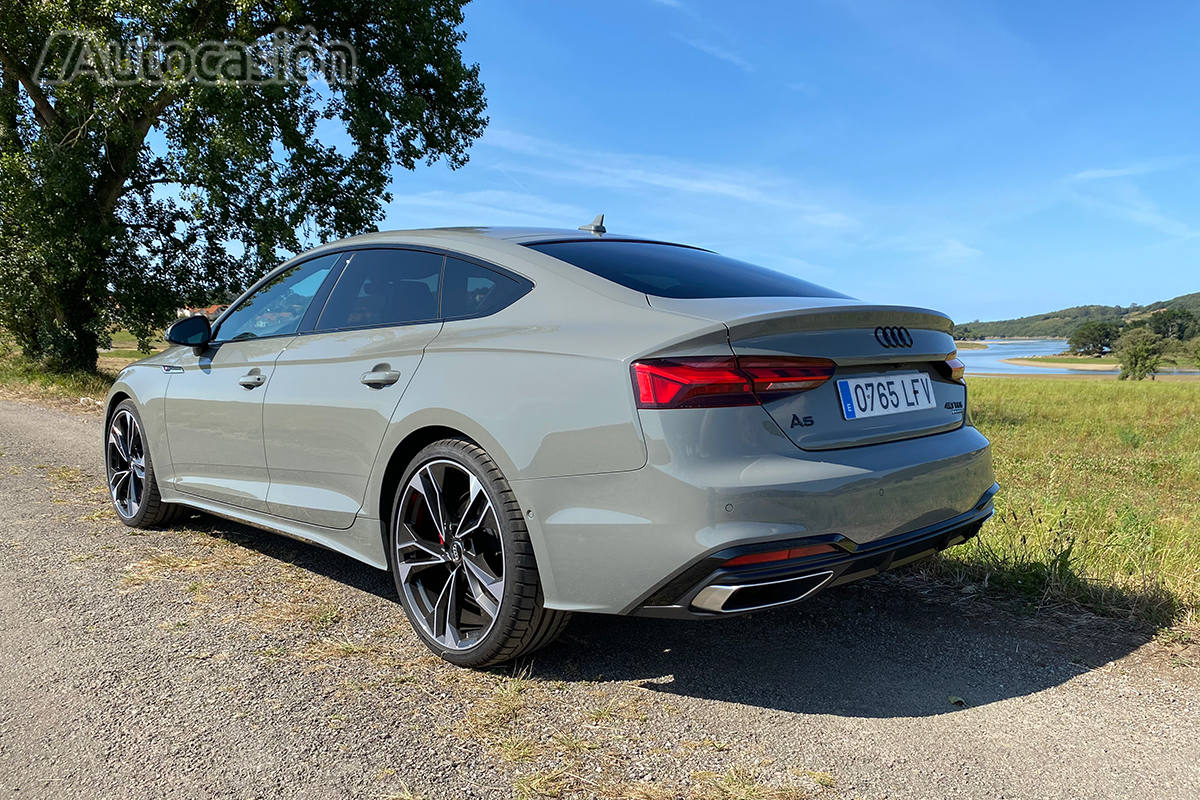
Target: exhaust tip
[720,598]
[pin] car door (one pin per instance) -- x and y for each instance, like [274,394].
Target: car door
[334,389]
[214,405]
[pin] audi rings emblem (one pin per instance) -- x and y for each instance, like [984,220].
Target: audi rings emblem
[893,336]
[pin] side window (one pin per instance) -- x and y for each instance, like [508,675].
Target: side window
[279,305]
[469,290]
[384,287]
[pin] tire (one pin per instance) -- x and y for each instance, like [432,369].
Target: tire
[457,480]
[125,447]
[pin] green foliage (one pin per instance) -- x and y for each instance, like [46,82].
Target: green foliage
[1173,323]
[1056,324]
[1061,324]
[119,204]
[1139,351]
[1093,338]
[1189,302]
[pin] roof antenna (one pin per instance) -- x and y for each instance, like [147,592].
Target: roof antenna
[596,226]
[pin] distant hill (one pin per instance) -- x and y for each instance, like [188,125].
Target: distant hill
[1061,324]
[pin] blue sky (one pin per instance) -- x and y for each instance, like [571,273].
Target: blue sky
[987,159]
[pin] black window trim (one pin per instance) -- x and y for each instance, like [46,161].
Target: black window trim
[308,327]
[309,321]
[525,284]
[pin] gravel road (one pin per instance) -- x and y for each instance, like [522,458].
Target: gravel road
[211,660]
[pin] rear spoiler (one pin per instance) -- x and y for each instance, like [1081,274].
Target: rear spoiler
[752,317]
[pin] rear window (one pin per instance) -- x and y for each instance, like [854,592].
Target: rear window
[469,290]
[667,270]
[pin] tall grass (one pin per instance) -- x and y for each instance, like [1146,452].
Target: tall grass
[1100,496]
[26,378]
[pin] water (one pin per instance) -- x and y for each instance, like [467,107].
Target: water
[991,360]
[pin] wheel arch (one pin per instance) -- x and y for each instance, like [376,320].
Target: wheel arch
[145,386]
[115,399]
[402,455]
[412,441]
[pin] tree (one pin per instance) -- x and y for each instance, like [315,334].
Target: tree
[1139,351]
[121,200]
[1173,323]
[1093,338]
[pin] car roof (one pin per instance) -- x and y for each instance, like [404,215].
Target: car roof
[499,245]
[514,235]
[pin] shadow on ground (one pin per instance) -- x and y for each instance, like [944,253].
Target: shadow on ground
[886,647]
[869,650]
[340,568]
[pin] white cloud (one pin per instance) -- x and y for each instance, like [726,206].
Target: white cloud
[1130,170]
[483,207]
[1123,200]
[716,51]
[930,247]
[642,173]
[953,250]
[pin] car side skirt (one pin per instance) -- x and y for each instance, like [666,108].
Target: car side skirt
[363,540]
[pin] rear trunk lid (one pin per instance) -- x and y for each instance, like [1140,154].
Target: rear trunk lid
[889,384]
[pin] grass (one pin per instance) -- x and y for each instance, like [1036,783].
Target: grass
[28,379]
[124,340]
[131,354]
[208,560]
[542,783]
[1100,497]
[741,784]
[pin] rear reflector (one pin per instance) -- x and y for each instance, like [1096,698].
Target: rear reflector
[712,382]
[779,555]
[955,369]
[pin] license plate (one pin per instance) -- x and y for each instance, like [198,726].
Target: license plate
[878,395]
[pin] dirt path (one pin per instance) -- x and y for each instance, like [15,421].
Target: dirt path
[212,660]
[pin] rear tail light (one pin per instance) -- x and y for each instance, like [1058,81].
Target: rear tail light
[779,555]
[953,368]
[712,382]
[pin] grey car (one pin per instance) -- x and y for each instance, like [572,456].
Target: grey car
[523,423]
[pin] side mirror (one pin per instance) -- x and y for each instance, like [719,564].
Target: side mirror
[191,331]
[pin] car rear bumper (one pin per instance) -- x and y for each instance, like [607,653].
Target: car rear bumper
[710,588]
[613,542]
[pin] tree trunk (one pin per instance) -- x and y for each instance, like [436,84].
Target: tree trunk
[9,138]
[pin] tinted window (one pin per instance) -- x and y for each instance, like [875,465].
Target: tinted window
[279,305]
[384,287]
[668,270]
[469,290]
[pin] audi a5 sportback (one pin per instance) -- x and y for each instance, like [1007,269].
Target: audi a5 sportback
[520,424]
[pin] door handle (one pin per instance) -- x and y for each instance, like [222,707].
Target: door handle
[252,380]
[380,377]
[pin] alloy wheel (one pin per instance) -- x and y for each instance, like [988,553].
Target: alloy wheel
[126,457]
[449,555]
